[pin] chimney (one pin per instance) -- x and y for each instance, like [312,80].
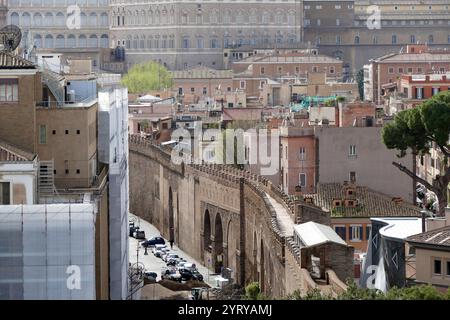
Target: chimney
[424,215]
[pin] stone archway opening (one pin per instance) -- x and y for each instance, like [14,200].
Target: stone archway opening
[261,268]
[171,217]
[206,252]
[255,273]
[218,245]
[230,254]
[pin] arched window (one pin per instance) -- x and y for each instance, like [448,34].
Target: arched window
[357,40]
[60,41]
[48,42]
[104,41]
[82,41]
[71,41]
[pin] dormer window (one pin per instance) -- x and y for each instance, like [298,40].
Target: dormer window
[337,203]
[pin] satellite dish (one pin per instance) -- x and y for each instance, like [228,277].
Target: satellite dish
[10,37]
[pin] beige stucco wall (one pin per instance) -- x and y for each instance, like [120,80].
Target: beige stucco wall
[424,266]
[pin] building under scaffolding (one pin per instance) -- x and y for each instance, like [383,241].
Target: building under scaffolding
[47,252]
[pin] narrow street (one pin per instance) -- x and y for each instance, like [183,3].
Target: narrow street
[155,264]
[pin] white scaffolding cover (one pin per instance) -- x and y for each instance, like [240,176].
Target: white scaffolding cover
[39,244]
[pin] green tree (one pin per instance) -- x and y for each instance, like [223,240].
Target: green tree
[360,82]
[416,131]
[144,77]
[252,291]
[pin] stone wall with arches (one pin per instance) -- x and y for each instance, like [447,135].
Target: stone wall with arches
[218,214]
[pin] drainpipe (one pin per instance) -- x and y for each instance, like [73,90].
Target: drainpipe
[424,214]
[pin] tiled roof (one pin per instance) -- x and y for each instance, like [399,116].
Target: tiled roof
[416,57]
[289,59]
[369,202]
[438,237]
[12,153]
[202,72]
[9,60]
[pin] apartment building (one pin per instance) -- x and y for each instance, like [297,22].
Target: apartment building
[352,205]
[388,69]
[432,251]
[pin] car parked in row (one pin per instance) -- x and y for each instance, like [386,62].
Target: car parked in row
[153,241]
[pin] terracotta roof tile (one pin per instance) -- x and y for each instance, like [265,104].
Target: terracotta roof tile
[369,203]
[438,237]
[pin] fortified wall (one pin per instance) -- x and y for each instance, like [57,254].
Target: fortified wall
[219,215]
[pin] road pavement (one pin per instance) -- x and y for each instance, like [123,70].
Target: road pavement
[154,264]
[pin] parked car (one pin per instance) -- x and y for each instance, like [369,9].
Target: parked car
[153,241]
[161,252]
[187,275]
[150,275]
[139,234]
[197,275]
[158,247]
[171,262]
[170,275]
[133,229]
[170,256]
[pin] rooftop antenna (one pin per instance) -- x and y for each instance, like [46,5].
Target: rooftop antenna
[10,37]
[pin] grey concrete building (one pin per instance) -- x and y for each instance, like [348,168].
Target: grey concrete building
[182,34]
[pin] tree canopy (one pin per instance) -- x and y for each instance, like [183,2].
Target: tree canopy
[416,292]
[142,78]
[417,130]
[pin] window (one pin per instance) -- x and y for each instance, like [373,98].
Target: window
[78,171]
[42,134]
[242,84]
[5,193]
[437,266]
[302,153]
[391,70]
[394,39]
[341,231]
[413,39]
[286,152]
[355,232]
[262,70]
[419,93]
[9,90]
[192,90]
[410,70]
[67,171]
[261,84]
[448,269]
[205,91]
[67,131]
[78,131]
[436,91]
[352,150]
[338,22]
[368,229]
[302,180]
[400,70]
[352,176]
